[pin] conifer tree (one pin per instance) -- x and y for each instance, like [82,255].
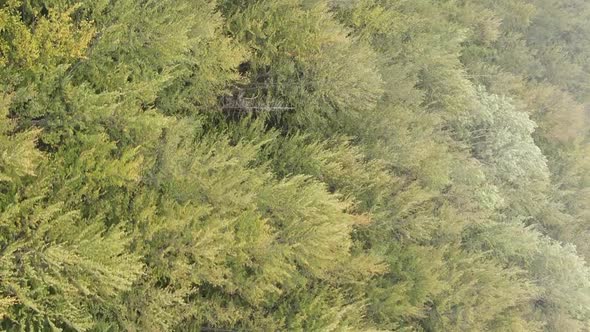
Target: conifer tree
[296,165]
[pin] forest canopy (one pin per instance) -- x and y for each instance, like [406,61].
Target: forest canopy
[295,165]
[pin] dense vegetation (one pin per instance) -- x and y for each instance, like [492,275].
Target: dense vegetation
[294,165]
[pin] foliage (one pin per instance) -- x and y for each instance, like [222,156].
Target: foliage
[297,165]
